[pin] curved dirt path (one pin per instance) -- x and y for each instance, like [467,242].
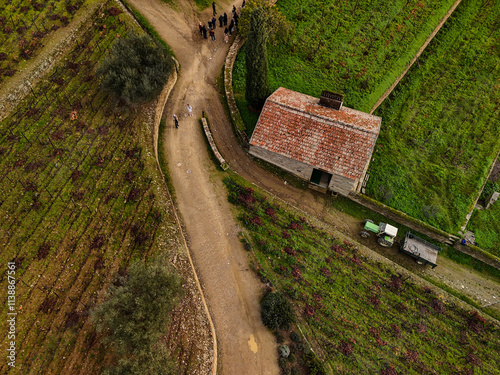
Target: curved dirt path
[231,288]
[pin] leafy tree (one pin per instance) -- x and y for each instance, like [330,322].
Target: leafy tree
[257,84]
[276,311]
[136,70]
[137,311]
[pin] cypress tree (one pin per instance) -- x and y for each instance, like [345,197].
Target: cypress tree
[257,85]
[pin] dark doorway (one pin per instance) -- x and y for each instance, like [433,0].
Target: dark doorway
[320,178]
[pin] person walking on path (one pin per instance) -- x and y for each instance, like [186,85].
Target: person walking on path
[204,32]
[226,37]
[176,121]
[214,23]
[190,110]
[231,25]
[213,7]
[225,19]
[212,35]
[221,20]
[200,26]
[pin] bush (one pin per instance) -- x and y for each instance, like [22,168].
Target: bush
[282,362]
[314,364]
[284,351]
[276,311]
[294,336]
[136,70]
[137,311]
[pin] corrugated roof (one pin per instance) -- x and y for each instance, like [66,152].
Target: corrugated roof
[296,126]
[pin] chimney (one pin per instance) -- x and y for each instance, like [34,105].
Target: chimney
[331,99]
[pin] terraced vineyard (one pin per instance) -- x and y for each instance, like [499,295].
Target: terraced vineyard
[24,27]
[360,314]
[81,200]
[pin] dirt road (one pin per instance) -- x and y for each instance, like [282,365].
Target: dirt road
[231,288]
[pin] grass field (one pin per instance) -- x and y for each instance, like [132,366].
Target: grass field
[361,315]
[81,199]
[440,127]
[354,47]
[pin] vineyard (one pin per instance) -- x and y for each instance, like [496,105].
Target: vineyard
[24,27]
[440,127]
[81,200]
[361,315]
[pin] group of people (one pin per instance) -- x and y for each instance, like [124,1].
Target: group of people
[176,119]
[212,24]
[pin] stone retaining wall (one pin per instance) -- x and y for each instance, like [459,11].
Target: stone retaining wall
[237,121]
[212,144]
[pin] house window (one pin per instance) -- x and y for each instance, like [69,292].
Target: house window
[320,178]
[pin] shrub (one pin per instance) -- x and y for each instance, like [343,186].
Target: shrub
[276,311]
[136,70]
[294,336]
[279,337]
[314,365]
[137,310]
[282,362]
[284,351]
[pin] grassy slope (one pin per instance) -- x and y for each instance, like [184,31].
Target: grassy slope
[80,201]
[353,47]
[440,127]
[361,316]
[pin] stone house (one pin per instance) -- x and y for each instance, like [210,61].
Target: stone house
[318,140]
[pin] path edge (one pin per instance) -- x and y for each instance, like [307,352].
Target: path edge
[162,100]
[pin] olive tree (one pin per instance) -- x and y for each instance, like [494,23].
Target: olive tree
[136,69]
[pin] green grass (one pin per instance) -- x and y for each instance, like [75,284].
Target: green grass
[440,126]
[486,226]
[360,315]
[357,48]
[203,4]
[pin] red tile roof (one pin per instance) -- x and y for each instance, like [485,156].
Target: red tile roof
[295,125]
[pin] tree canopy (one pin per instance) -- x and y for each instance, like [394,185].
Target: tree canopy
[137,310]
[136,70]
[257,85]
[275,25]
[276,311]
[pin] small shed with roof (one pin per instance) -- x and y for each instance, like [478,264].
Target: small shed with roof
[318,140]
